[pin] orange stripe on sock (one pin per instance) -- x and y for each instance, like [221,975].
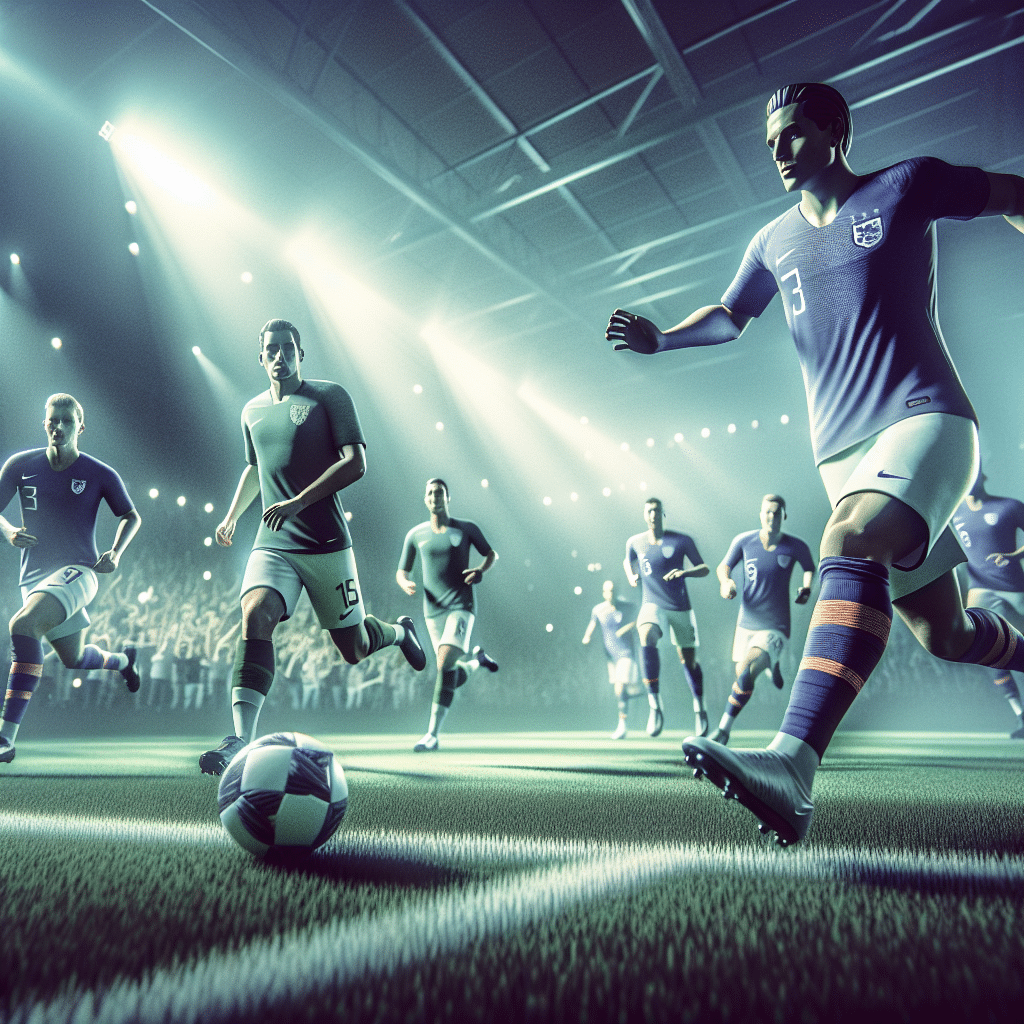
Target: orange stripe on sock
[27,668]
[833,668]
[18,694]
[853,615]
[741,693]
[1011,646]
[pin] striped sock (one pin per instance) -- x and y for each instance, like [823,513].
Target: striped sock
[26,668]
[742,691]
[93,657]
[996,643]
[845,640]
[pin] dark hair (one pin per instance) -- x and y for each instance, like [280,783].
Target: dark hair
[438,480]
[820,103]
[280,325]
[776,499]
[655,501]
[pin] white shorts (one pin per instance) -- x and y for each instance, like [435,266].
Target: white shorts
[331,581]
[623,672]
[771,641]
[680,627]
[929,463]
[451,630]
[74,586]
[1008,603]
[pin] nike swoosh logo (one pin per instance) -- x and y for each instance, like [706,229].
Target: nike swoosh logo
[784,255]
[29,476]
[342,618]
[891,476]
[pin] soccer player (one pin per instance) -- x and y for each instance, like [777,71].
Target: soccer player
[616,618]
[303,444]
[894,434]
[762,629]
[60,489]
[449,598]
[987,526]
[657,557]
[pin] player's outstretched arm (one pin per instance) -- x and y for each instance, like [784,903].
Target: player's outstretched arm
[726,585]
[347,470]
[1006,197]
[710,325]
[472,576]
[246,491]
[127,527]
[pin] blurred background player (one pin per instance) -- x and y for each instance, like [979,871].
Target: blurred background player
[894,434]
[659,557]
[762,628]
[616,618]
[449,597]
[60,490]
[303,445]
[987,526]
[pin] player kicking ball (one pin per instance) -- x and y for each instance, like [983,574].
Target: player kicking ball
[60,490]
[449,598]
[895,437]
[303,445]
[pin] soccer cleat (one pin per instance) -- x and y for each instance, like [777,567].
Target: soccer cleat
[719,736]
[763,781]
[6,750]
[485,659]
[777,681]
[1018,733]
[131,677]
[429,742]
[411,646]
[655,722]
[213,762]
[701,723]
[620,730]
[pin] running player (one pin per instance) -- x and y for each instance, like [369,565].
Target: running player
[987,527]
[449,598]
[659,557]
[616,618]
[894,434]
[303,444]
[762,629]
[60,490]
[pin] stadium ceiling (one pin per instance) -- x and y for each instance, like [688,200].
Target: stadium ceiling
[524,166]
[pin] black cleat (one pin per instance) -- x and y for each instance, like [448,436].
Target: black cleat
[131,677]
[485,659]
[719,736]
[6,751]
[777,681]
[763,781]
[213,762]
[411,646]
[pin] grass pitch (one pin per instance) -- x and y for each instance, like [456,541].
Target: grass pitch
[529,877]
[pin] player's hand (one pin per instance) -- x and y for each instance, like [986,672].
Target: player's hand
[802,595]
[999,559]
[673,574]
[21,538]
[107,562]
[728,590]
[276,514]
[472,576]
[629,331]
[225,532]
[633,580]
[409,586]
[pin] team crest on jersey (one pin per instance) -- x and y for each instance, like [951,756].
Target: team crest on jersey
[784,561]
[751,571]
[868,233]
[991,518]
[298,412]
[668,550]
[454,537]
[77,486]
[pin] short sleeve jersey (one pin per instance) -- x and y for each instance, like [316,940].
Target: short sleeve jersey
[445,556]
[766,578]
[60,509]
[611,616]
[991,530]
[292,443]
[860,299]
[654,558]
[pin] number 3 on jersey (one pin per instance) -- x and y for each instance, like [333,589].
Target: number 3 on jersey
[797,290]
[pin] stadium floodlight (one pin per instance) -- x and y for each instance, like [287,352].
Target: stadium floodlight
[107,131]
[182,500]
[783,419]
[196,350]
[133,248]
[246,277]
[15,258]
[55,343]
[131,207]
[154,493]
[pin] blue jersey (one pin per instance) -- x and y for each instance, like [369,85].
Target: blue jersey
[766,576]
[653,558]
[989,531]
[860,299]
[611,617]
[60,509]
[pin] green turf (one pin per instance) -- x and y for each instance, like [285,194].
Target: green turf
[529,878]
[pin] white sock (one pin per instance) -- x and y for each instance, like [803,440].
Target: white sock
[654,699]
[9,731]
[1015,706]
[246,705]
[399,635]
[726,723]
[803,756]
[437,713]
[698,705]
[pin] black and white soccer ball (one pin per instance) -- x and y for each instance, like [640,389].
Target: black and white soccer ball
[283,793]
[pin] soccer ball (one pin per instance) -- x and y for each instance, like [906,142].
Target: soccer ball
[283,793]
